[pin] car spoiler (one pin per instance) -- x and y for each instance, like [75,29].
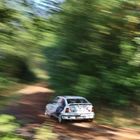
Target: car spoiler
[80,104]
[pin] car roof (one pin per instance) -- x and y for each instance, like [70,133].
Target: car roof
[71,97]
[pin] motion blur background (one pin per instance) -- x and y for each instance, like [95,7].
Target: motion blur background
[78,47]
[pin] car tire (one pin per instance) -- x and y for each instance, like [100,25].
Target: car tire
[60,120]
[47,115]
[90,120]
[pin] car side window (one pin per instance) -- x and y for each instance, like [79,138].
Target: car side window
[63,103]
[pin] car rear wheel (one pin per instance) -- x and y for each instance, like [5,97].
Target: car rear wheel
[47,114]
[90,120]
[60,120]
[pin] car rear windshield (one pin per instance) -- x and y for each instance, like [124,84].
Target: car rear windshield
[76,101]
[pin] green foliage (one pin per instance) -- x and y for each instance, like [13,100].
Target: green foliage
[92,47]
[15,66]
[8,127]
[6,82]
[19,40]
[94,52]
[45,132]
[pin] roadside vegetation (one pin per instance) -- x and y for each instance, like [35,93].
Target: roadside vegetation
[88,48]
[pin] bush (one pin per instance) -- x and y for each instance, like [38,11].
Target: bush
[16,67]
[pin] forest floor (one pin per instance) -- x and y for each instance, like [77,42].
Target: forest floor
[29,111]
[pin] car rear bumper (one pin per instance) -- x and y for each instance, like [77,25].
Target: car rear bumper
[78,117]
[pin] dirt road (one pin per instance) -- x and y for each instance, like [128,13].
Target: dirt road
[29,110]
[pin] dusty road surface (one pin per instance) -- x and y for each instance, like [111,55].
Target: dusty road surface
[29,111]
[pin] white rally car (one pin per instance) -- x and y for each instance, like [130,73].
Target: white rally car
[70,108]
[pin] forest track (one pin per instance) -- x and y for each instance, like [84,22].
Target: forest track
[29,111]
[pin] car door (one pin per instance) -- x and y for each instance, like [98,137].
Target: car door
[61,105]
[52,106]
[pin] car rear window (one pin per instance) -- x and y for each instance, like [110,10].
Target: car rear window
[76,101]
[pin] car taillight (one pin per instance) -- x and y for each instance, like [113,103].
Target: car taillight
[88,109]
[67,110]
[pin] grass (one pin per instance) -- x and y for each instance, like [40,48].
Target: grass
[9,95]
[119,117]
[45,133]
[41,74]
[8,127]
[8,123]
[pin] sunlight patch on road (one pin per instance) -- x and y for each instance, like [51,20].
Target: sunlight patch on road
[35,89]
[126,135]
